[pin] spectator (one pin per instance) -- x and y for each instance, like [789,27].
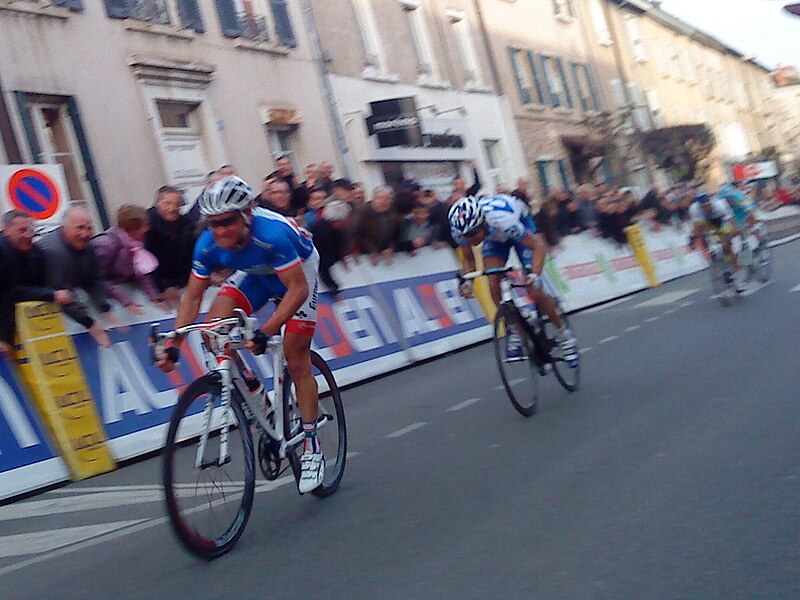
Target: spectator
[521,191]
[404,202]
[416,230]
[299,194]
[316,200]
[194,211]
[331,239]
[587,204]
[547,222]
[358,196]
[123,258]
[22,271]
[263,196]
[171,240]
[72,264]
[279,198]
[378,227]
[460,187]
[225,171]
[437,218]
[324,179]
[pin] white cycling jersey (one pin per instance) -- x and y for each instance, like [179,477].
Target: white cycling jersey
[720,212]
[507,219]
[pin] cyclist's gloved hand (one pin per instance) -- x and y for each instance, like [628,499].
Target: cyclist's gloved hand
[259,342]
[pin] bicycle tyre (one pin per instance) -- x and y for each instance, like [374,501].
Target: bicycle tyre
[763,258]
[509,317]
[204,547]
[568,377]
[331,402]
[718,285]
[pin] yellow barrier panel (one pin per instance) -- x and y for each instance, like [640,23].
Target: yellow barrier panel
[480,286]
[49,366]
[639,248]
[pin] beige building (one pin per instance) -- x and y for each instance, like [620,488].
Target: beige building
[130,95]
[667,74]
[415,93]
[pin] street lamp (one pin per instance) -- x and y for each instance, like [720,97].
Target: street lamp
[793,8]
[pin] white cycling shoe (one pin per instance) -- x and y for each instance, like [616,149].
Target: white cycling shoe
[312,471]
[569,348]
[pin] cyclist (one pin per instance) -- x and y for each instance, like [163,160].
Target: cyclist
[713,215]
[503,222]
[272,258]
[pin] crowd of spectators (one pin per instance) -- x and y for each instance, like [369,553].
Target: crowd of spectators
[151,249]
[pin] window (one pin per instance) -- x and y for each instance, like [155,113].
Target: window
[175,115]
[374,60]
[73,5]
[184,14]
[600,23]
[655,108]
[635,38]
[553,174]
[537,77]
[426,61]
[520,74]
[556,83]
[282,142]
[587,94]
[564,10]
[466,49]
[641,112]
[492,154]
[264,21]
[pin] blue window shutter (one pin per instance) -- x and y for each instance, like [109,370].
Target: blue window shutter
[229,22]
[191,18]
[283,23]
[576,77]
[73,5]
[562,167]
[537,79]
[564,82]
[118,9]
[541,167]
[593,89]
[524,93]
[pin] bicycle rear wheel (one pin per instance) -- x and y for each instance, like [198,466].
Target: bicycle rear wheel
[209,505]
[332,431]
[762,263]
[569,377]
[519,375]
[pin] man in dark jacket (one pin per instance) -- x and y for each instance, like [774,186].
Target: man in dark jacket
[171,239]
[331,239]
[71,263]
[21,273]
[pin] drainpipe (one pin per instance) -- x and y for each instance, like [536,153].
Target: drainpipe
[337,129]
[7,130]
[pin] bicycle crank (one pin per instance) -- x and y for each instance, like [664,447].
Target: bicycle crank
[268,459]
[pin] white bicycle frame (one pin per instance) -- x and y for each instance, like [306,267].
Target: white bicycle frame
[226,337]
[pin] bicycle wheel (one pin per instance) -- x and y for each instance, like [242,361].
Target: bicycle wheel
[762,263]
[208,506]
[722,289]
[332,433]
[518,375]
[569,377]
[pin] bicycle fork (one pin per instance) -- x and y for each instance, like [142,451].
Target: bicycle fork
[225,396]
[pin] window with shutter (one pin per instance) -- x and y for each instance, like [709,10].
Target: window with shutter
[553,82]
[74,5]
[537,78]
[118,9]
[581,85]
[149,11]
[283,23]
[567,95]
[523,86]
[189,12]
[466,49]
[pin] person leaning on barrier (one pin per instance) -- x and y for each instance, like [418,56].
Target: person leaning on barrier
[72,264]
[123,259]
[21,273]
[171,239]
[332,240]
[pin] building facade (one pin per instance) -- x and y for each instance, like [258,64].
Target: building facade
[415,94]
[130,95]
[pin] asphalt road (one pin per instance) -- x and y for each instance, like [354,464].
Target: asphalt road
[673,473]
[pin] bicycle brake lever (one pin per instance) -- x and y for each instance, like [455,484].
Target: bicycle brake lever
[153,342]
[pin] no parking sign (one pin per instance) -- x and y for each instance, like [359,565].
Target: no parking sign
[39,190]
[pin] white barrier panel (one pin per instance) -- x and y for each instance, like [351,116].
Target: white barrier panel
[387,317]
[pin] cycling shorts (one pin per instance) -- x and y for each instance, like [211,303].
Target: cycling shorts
[251,292]
[501,250]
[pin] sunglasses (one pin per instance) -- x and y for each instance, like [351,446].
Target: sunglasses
[225,222]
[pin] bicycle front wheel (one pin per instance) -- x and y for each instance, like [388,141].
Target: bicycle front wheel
[762,263]
[722,289]
[332,428]
[208,499]
[568,376]
[517,369]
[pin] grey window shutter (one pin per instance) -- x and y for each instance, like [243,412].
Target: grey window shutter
[576,77]
[537,78]
[228,20]
[189,12]
[118,9]
[564,82]
[74,5]
[283,23]
[524,92]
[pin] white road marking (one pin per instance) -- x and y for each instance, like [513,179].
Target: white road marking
[405,430]
[686,303]
[668,298]
[608,305]
[585,350]
[463,404]
[79,503]
[21,544]
[632,328]
[795,289]
[670,311]
[652,319]
[516,381]
[608,339]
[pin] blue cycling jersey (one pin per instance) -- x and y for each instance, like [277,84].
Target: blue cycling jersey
[276,244]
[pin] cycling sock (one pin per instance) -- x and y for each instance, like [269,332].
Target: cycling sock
[310,442]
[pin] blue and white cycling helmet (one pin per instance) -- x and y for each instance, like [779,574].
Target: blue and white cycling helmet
[465,216]
[230,194]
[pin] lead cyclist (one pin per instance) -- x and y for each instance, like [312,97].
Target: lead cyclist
[272,258]
[503,222]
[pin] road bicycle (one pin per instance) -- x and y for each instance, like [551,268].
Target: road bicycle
[757,255]
[721,270]
[538,336]
[209,456]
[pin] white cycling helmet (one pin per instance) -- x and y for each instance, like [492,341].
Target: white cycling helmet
[227,195]
[465,216]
